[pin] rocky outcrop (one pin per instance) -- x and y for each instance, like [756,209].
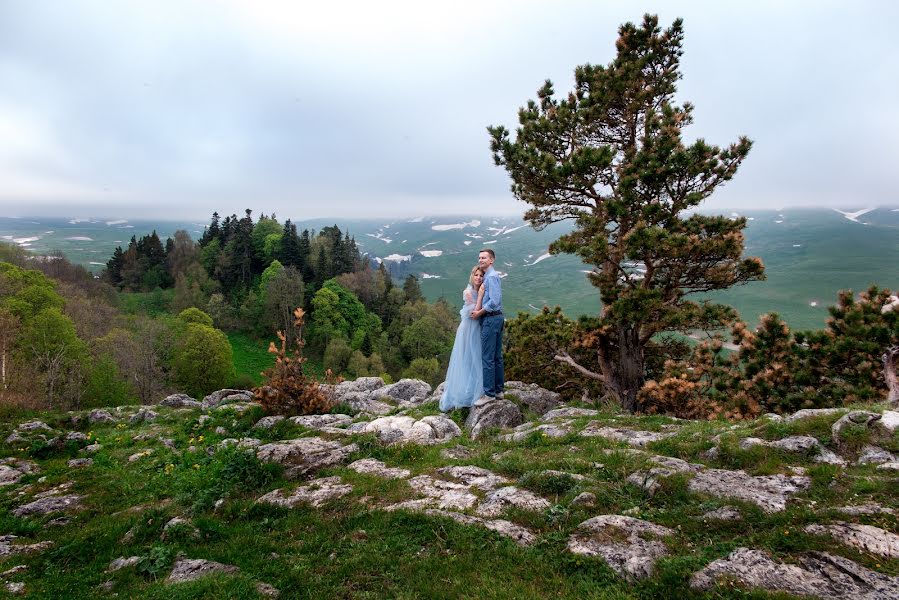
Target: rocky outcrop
[769,492]
[488,413]
[180,401]
[320,421]
[9,548]
[569,412]
[553,430]
[817,574]
[316,493]
[433,429]
[798,444]
[499,500]
[865,538]
[534,397]
[633,437]
[630,546]
[227,396]
[371,466]
[49,504]
[304,456]
[412,391]
[520,535]
[473,476]
[188,569]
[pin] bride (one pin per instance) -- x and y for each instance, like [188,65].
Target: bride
[465,377]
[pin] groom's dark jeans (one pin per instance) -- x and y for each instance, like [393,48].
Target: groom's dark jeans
[492,354]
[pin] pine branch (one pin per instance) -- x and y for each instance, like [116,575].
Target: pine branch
[565,358]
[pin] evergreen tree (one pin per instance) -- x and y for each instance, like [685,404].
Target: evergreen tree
[213,232]
[610,157]
[290,254]
[412,289]
[305,252]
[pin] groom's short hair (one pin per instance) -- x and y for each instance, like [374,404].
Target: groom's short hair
[488,251]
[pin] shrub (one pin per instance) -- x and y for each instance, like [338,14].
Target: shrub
[286,389]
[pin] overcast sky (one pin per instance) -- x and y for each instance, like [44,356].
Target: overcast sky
[318,109]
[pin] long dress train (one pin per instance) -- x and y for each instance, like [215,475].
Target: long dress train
[464,376]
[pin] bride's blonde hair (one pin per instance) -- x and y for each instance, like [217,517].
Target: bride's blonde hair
[474,270]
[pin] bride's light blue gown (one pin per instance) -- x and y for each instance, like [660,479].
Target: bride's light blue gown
[465,376]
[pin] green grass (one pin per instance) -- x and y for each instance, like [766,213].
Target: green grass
[351,549]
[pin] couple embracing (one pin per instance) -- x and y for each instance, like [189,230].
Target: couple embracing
[476,364]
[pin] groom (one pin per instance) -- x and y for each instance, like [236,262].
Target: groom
[492,321]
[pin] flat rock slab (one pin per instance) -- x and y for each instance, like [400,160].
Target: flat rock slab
[315,493]
[553,430]
[630,546]
[434,429]
[407,390]
[874,455]
[188,569]
[818,575]
[633,437]
[472,476]
[807,413]
[865,509]
[520,535]
[497,501]
[227,396]
[8,548]
[319,421]
[866,538]
[769,492]
[443,494]
[303,456]
[725,513]
[123,563]
[49,504]
[569,412]
[9,475]
[371,466]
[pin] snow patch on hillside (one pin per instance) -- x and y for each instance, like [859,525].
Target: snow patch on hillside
[472,223]
[429,276]
[80,238]
[379,236]
[430,253]
[113,222]
[398,258]
[853,216]
[539,258]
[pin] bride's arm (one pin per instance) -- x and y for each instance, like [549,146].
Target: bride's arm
[481,291]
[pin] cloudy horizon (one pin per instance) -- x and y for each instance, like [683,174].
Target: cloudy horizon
[173,110]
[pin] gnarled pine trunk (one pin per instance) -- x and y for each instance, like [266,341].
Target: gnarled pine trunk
[622,365]
[890,360]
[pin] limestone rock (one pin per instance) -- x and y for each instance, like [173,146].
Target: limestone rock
[488,412]
[443,494]
[316,493]
[92,449]
[818,575]
[854,418]
[367,403]
[10,475]
[16,588]
[49,504]
[123,563]
[304,456]
[520,535]
[889,421]
[499,500]
[873,455]
[586,499]
[398,429]
[319,421]
[371,466]
[181,523]
[268,422]
[407,390]
[139,455]
[100,416]
[533,396]
[267,590]
[227,396]
[143,415]
[865,538]
[725,513]
[457,453]
[769,492]
[633,437]
[80,462]
[187,569]
[361,384]
[34,426]
[569,412]
[865,509]
[630,546]
[473,476]
[889,466]
[8,548]
[180,401]
[553,430]
[807,413]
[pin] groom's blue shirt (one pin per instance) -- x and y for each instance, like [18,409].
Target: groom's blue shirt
[493,294]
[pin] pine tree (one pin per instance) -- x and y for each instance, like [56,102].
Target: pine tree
[291,255]
[610,157]
[412,289]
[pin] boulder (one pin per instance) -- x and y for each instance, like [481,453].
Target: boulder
[536,398]
[227,396]
[49,504]
[407,390]
[304,456]
[10,475]
[123,563]
[316,493]
[75,463]
[187,569]
[807,413]
[818,575]
[34,426]
[630,546]
[440,494]
[585,499]
[874,455]
[725,513]
[553,430]
[268,422]
[854,419]
[100,416]
[180,401]
[319,421]
[8,548]
[144,414]
[473,476]
[487,413]
[433,429]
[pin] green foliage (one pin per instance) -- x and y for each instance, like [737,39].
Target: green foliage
[425,369]
[251,357]
[337,312]
[157,561]
[203,360]
[195,315]
[626,193]
[105,385]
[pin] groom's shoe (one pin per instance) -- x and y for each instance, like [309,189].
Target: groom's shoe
[500,395]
